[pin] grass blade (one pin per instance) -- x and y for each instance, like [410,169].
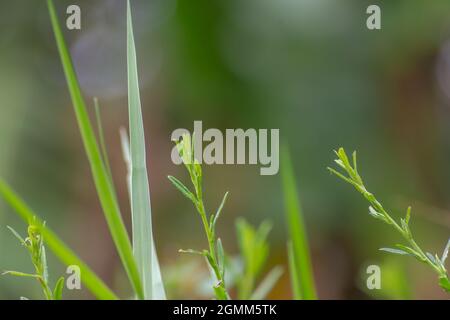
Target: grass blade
[159,292]
[140,191]
[297,233]
[64,253]
[143,243]
[100,174]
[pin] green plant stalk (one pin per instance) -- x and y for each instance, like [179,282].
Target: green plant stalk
[185,149]
[100,174]
[377,210]
[303,286]
[220,289]
[35,246]
[98,288]
[39,259]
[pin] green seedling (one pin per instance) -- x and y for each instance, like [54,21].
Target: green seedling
[254,251]
[376,210]
[215,255]
[35,246]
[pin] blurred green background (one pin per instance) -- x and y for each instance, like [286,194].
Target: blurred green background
[308,67]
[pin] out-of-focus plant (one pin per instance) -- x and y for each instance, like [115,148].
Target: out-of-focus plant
[300,265]
[377,211]
[254,251]
[35,246]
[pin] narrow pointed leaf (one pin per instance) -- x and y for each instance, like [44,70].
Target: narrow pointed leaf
[20,274]
[395,251]
[445,252]
[219,211]
[182,188]
[143,243]
[297,232]
[100,174]
[57,293]
[17,235]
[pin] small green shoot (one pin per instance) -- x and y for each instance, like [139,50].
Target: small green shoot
[215,256]
[98,288]
[377,211]
[35,245]
[254,249]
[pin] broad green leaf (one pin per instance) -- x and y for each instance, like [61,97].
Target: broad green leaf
[297,231]
[100,173]
[62,252]
[57,292]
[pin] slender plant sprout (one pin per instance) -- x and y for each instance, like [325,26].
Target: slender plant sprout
[215,256]
[377,211]
[298,251]
[254,249]
[98,288]
[35,245]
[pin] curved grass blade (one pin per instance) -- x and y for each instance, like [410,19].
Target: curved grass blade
[297,233]
[64,253]
[100,174]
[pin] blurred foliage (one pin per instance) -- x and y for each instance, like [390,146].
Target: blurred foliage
[308,67]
